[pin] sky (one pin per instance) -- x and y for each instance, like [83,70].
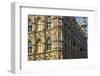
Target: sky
[79,20]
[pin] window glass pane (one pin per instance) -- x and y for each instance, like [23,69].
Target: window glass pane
[29,47]
[30,50]
[49,44]
[30,26]
[49,22]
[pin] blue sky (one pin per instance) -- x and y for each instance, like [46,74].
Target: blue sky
[79,20]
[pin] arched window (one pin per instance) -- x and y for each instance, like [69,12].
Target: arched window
[39,46]
[60,37]
[40,25]
[29,47]
[49,43]
[49,22]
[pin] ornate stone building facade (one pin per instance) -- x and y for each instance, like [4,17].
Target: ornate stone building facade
[55,37]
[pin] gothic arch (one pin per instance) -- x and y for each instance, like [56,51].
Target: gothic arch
[39,24]
[39,46]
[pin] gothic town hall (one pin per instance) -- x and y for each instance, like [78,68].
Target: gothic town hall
[56,37]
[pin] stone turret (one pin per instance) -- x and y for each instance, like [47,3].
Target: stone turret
[83,24]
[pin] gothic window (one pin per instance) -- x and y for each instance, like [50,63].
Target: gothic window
[31,23]
[60,37]
[40,25]
[49,44]
[49,22]
[29,26]
[39,46]
[29,47]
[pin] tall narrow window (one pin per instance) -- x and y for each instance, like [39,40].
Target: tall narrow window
[39,47]
[49,22]
[60,40]
[49,44]
[29,47]
[40,25]
[29,26]
[60,37]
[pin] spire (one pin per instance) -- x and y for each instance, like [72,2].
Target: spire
[83,24]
